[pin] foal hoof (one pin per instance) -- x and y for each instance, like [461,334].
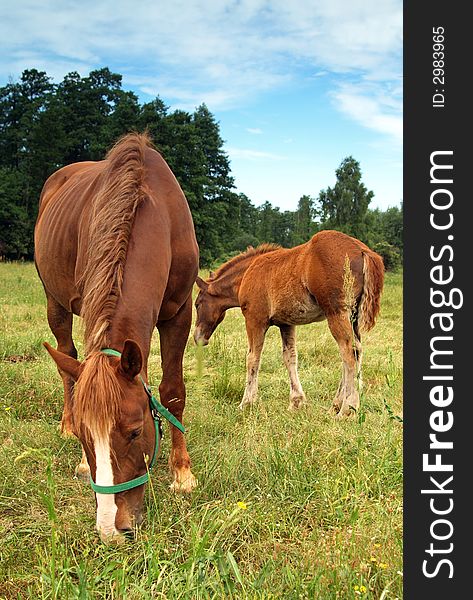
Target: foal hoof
[336,406]
[184,485]
[297,401]
[346,411]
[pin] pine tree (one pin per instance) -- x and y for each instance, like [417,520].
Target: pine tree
[345,206]
[303,226]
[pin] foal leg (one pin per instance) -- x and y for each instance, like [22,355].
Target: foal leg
[255,331]
[173,336]
[289,353]
[347,398]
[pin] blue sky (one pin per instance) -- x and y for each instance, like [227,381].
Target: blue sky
[296,85]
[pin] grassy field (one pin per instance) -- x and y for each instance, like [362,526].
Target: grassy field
[289,505]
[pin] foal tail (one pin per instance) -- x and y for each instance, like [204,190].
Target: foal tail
[373,280]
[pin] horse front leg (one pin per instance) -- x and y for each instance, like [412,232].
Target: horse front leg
[173,336]
[289,352]
[256,330]
[60,323]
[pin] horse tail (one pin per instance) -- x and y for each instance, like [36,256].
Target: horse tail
[373,280]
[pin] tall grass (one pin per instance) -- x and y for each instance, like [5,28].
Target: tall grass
[289,505]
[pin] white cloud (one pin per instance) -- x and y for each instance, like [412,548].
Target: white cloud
[220,52]
[372,107]
[254,130]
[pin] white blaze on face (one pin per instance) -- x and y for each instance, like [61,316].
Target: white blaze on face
[106,507]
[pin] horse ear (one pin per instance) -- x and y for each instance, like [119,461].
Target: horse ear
[201,284]
[131,359]
[66,363]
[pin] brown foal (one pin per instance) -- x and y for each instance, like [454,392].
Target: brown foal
[333,276]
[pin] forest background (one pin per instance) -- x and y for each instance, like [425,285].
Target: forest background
[44,126]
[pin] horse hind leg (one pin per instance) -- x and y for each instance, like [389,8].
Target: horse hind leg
[347,398]
[289,352]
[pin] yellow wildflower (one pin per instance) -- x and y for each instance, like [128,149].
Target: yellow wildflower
[242,505]
[362,589]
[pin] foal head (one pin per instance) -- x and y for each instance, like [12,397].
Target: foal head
[210,307]
[112,419]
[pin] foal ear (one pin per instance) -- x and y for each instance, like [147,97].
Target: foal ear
[66,363]
[201,284]
[131,359]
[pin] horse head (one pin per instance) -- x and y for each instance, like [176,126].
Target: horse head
[113,421]
[210,307]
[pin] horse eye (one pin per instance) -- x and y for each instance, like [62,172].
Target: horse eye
[134,434]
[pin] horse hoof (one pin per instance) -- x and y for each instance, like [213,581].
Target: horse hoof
[184,486]
[82,473]
[65,430]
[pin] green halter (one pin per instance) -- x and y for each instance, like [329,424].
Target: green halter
[157,411]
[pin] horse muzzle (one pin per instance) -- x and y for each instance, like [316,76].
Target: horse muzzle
[199,337]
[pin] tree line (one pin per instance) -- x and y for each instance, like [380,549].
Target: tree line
[44,126]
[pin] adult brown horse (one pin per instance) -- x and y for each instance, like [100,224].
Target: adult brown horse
[333,276]
[115,244]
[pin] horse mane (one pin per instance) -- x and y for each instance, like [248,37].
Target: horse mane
[249,252]
[97,395]
[113,214]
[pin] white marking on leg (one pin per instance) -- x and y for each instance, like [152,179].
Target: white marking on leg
[252,369]
[351,398]
[106,506]
[289,354]
[255,335]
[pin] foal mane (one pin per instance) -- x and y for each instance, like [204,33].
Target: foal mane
[113,213]
[248,253]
